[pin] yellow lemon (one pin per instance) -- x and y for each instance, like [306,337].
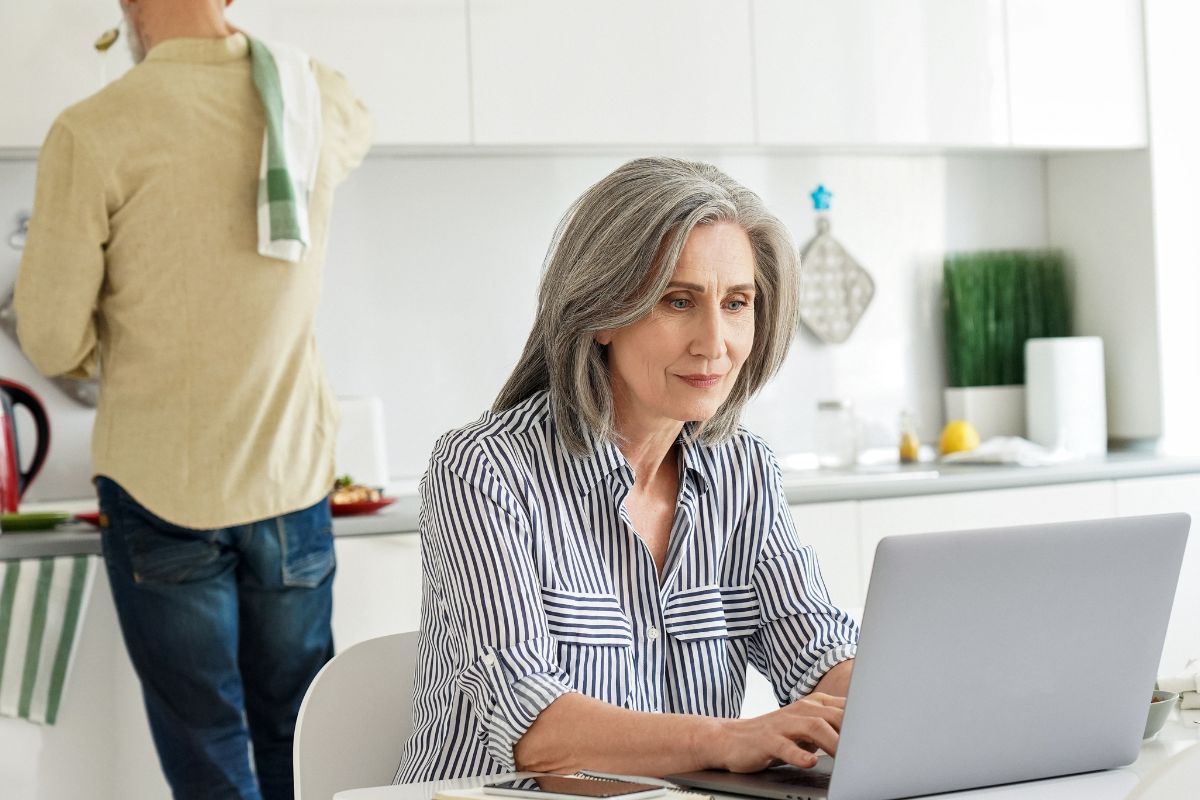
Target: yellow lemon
[957,436]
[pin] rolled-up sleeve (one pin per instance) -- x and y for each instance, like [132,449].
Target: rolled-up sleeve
[485,585]
[62,268]
[802,634]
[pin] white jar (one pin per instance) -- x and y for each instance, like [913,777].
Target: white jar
[837,434]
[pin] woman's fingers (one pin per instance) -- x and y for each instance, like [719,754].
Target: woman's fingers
[791,753]
[801,710]
[814,730]
[820,698]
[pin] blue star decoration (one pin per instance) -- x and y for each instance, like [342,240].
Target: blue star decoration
[820,197]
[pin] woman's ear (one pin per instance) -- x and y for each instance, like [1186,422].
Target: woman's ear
[603,338]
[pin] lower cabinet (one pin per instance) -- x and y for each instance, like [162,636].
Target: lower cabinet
[1164,495]
[377,590]
[970,510]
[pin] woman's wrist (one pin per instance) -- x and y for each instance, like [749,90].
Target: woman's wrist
[710,736]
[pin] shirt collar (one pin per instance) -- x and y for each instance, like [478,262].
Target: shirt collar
[603,457]
[201,51]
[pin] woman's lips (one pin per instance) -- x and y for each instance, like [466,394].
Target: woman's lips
[701,381]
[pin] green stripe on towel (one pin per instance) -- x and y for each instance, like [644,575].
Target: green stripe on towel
[66,639]
[12,571]
[37,628]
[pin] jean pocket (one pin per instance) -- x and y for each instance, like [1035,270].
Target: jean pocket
[160,552]
[306,546]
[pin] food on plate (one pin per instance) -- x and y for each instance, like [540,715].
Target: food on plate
[346,491]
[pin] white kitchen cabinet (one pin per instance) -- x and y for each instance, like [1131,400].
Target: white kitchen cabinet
[881,72]
[832,531]
[49,63]
[1076,73]
[378,587]
[1166,495]
[618,71]
[987,509]
[406,59]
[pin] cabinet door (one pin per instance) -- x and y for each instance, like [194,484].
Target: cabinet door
[613,72]
[49,63]
[881,72]
[832,530]
[1160,496]
[377,589]
[971,510]
[406,59]
[1076,73]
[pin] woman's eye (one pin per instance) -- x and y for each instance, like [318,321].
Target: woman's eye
[737,305]
[679,303]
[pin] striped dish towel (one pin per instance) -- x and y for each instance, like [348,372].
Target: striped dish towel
[291,147]
[42,602]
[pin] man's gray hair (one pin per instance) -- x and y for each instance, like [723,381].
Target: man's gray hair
[609,263]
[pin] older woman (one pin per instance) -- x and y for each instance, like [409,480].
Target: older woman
[606,550]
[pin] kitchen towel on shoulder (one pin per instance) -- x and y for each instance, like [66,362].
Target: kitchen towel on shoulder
[291,147]
[42,604]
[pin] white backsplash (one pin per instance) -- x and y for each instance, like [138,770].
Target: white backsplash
[434,261]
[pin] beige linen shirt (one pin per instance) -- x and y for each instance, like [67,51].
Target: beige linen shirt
[141,262]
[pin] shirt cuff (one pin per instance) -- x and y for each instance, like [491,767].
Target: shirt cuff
[509,688]
[812,676]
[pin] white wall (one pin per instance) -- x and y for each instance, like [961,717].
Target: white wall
[1173,61]
[434,262]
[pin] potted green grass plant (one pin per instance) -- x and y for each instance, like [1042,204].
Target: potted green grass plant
[993,301]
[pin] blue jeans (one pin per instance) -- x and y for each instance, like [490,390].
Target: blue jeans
[226,628]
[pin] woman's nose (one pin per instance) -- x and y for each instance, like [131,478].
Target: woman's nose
[708,340]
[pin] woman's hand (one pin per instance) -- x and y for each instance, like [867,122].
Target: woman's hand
[784,736]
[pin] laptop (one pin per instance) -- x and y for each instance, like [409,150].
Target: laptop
[995,656]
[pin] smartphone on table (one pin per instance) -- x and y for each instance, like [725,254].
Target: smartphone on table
[562,787]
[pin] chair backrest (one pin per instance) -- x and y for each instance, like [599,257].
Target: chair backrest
[1175,778]
[355,718]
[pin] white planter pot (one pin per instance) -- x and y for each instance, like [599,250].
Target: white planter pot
[991,410]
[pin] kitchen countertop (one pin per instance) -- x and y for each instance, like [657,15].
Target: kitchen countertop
[809,486]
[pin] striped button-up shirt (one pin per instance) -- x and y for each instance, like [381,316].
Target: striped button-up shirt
[536,584]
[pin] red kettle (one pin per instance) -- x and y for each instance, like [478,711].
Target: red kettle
[14,481]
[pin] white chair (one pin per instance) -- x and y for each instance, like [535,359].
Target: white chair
[355,718]
[1177,778]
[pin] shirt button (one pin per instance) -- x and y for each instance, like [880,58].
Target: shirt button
[652,633]
[489,659]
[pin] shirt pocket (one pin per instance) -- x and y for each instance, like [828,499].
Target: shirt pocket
[712,612]
[595,642]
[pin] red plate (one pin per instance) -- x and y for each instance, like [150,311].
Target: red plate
[365,507]
[90,517]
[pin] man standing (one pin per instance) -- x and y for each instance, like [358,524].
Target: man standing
[176,249]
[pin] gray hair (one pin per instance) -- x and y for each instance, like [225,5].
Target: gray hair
[609,263]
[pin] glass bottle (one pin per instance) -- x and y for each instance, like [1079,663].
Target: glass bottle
[837,434]
[910,443]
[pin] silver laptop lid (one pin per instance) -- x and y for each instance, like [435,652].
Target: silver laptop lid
[1007,654]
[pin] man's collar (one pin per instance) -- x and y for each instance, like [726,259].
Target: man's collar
[201,51]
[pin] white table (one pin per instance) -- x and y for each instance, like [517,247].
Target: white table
[1115,784]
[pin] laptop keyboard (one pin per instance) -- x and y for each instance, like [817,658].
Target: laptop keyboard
[812,780]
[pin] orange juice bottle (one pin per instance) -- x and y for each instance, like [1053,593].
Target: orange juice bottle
[910,444]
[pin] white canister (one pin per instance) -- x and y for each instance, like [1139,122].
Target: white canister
[1065,407]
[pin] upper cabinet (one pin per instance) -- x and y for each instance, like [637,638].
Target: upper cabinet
[1077,72]
[881,72]
[406,59]
[49,62]
[611,71]
[1035,74]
